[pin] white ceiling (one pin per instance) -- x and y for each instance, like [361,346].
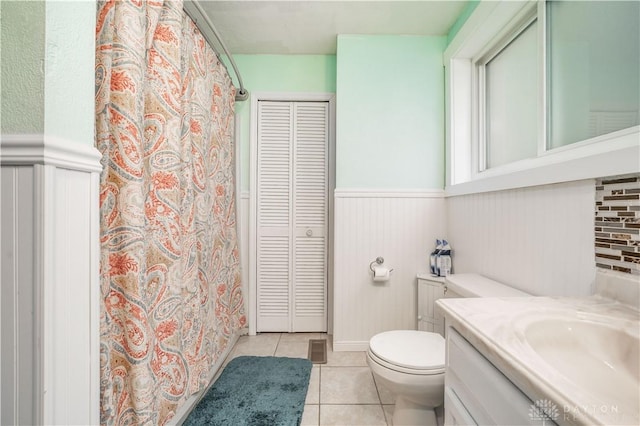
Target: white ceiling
[311,27]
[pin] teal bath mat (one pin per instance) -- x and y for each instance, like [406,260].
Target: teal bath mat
[255,391]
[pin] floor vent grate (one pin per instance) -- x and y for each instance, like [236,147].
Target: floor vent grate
[318,351]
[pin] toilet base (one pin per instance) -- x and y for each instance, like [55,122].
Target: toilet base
[409,413]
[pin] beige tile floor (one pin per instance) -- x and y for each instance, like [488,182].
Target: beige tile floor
[341,392]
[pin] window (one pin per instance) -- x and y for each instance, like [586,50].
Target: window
[593,68]
[509,82]
[543,92]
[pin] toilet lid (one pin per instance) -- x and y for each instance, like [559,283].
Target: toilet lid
[418,350]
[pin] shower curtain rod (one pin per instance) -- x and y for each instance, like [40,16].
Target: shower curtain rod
[195,12]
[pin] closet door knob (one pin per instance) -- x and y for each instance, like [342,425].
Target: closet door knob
[309,232]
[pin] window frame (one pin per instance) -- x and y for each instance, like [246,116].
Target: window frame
[488,27]
[491,52]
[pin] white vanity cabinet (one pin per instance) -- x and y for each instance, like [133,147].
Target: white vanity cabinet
[430,289]
[477,393]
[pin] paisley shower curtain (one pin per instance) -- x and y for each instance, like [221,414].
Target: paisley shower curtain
[170,283]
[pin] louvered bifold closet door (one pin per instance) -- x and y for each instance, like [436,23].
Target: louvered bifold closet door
[310,212]
[292,216]
[275,149]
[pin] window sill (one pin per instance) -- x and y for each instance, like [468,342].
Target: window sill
[609,155]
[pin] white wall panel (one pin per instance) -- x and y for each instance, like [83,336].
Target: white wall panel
[50,281]
[538,239]
[68,328]
[243,241]
[18,325]
[399,226]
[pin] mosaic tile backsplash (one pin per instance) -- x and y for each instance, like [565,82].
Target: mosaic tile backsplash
[617,224]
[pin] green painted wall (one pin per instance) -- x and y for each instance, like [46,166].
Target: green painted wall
[48,68]
[69,101]
[22,69]
[390,112]
[278,73]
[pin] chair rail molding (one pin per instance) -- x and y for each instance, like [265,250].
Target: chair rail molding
[30,149]
[49,265]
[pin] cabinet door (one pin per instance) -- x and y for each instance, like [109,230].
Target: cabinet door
[428,293]
[487,395]
[455,414]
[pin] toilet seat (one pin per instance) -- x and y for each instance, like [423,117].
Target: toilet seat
[409,351]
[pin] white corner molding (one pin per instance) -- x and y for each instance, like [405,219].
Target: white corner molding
[49,239]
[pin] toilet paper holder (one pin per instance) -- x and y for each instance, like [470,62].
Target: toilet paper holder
[379,260]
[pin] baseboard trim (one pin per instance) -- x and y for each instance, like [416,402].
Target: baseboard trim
[353,346]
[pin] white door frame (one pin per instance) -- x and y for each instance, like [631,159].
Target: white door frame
[253,198]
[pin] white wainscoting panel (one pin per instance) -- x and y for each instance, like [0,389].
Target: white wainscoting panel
[69,304]
[50,281]
[537,239]
[19,368]
[243,241]
[401,226]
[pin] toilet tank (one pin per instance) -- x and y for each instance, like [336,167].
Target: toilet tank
[474,285]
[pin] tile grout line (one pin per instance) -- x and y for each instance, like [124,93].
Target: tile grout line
[373,404]
[353,363]
[277,344]
[375,383]
[319,392]
[319,384]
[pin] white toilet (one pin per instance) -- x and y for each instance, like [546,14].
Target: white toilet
[411,363]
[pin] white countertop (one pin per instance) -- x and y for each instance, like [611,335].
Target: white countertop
[429,277]
[493,326]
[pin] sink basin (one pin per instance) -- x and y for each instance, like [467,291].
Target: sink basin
[601,359]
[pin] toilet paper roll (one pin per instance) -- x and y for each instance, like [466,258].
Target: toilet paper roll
[380,273]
